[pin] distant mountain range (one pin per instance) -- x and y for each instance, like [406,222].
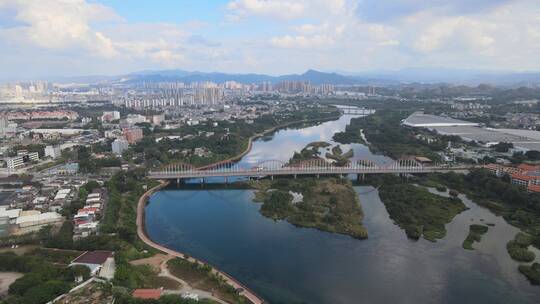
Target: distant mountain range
[411,75]
[314,77]
[404,76]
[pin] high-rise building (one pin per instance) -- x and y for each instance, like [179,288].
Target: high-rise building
[119,145]
[208,96]
[4,123]
[265,86]
[133,135]
[294,87]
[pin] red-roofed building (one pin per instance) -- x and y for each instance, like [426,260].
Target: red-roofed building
[534,188]
[78,222]
[147,293]
[501,170]
[88,210]
[524,179]
[528,168]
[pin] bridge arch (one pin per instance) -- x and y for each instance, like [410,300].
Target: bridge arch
[272,164]
[364,163]
[177,167]
[404,163]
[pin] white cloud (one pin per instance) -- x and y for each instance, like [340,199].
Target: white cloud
[82,29]
[284,9]
[280,36]
[506,36]
[60,24]
[339,29]
[301,41]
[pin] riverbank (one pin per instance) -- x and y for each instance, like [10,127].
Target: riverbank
[261,134]
[141,232]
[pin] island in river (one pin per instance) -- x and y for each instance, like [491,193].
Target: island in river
[328,204]
[475,235]
[416,210]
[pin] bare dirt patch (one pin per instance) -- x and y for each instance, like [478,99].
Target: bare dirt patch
[6,279]
[154,261]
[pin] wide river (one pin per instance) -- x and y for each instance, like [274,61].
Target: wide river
[286,264]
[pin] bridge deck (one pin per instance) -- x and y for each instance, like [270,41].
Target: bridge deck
[300,171]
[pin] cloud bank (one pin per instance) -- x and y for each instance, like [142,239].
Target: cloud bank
[74,37]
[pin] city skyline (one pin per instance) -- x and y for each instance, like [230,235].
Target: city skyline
[109,37]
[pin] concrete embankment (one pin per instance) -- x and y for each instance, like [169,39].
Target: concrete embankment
[141,232]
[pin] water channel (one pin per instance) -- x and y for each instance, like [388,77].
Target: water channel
[286,264]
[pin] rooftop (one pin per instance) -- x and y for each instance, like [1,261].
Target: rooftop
[147,293]
[428,120]
[93,257]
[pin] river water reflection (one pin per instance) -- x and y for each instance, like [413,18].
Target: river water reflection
[285,264]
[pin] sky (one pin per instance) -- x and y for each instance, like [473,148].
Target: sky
[114,37]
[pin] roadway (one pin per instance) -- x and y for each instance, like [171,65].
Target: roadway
[293,171]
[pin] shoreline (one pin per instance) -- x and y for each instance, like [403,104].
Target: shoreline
[140,221]
[141,233]
[265,132]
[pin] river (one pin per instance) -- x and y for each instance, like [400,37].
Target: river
[286,264]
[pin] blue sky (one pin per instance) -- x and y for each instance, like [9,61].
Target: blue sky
[167,10]
[109,37]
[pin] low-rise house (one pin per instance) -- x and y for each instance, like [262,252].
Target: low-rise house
[100,262]
[147,293]
[35,221]
[11,214]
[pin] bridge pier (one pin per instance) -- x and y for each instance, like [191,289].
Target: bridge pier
[295,176]
[318,176]
[271,177]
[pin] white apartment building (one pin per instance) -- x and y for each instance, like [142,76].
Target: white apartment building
[21,159]
[119,145]
[53,152]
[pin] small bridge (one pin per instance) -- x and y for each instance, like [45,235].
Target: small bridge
[314,167]
[355,110]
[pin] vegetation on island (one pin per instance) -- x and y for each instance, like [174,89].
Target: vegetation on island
[518,248]
[518,207]
[309,152]
[328,204]
[384,132]
[341,159]
[416,210]
[475,235]
[532,272]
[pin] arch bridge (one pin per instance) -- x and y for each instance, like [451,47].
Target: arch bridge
[315,167]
